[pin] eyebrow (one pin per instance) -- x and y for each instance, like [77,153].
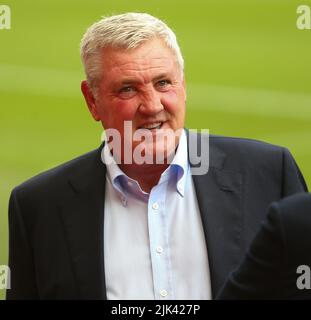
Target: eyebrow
[161,76]
[128,81]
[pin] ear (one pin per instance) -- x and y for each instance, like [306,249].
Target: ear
[90,99]
[184,86]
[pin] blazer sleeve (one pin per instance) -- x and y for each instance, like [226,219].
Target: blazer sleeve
[293,181]
[23,280]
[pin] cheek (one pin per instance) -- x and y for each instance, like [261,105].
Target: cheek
[173,101]
[118,111]
[126,109]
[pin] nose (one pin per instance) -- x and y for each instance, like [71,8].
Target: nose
[151,103]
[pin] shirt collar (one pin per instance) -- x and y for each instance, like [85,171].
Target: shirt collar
[122,183]
[178,169]
[179,166]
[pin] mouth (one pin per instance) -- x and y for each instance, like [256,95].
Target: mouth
[152,126]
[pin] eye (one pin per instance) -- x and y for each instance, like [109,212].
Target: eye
[163,84]
[126,89]
[127,92]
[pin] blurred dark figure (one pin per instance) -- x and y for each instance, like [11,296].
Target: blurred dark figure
[278,262]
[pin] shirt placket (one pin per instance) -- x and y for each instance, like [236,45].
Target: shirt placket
[159,247]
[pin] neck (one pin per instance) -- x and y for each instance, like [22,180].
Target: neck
[147,175]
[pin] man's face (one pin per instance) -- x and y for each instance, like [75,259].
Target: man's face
[143,85]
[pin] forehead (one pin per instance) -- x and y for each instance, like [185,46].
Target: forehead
[149,58]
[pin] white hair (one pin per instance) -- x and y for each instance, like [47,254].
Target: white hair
[124,31]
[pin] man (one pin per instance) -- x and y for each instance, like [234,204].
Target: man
[278,262]
[101,226]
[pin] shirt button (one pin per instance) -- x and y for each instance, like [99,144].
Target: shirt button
[124,201]
[159,249]
[163,293]
[155,206]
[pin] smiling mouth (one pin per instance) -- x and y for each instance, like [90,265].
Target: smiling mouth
[152,126]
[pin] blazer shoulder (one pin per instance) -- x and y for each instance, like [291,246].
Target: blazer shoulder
[248,153]
[244,144]
[55,177]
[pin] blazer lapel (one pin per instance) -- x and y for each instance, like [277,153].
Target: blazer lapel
[219,194]
[83,218]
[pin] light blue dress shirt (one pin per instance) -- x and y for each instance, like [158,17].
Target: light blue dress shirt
[154,244]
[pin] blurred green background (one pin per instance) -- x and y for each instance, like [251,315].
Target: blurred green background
[248,74]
